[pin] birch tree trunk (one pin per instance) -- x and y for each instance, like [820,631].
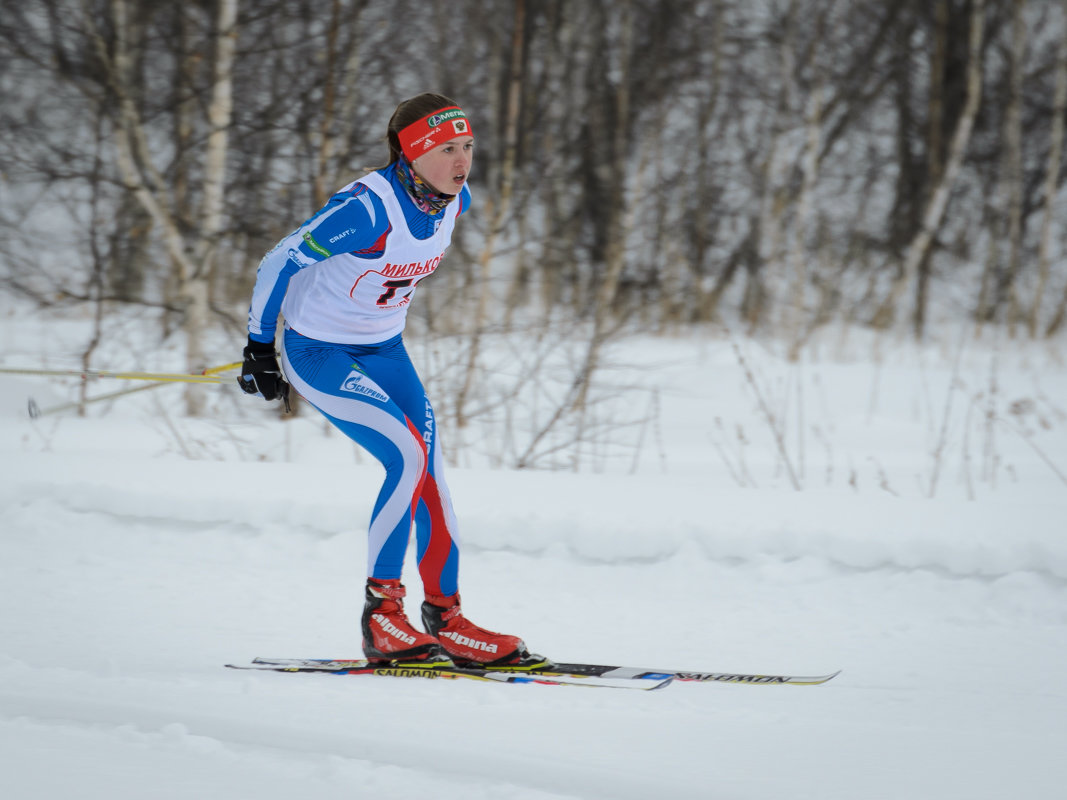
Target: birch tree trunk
[192,254]
[1013,139]
[1052,172]
[936,105]
[555,261]
[321,189]
[338,105]
[615,250]
[620,220]
[197,284]
[132,153]
[935,146]
[810,171]
[934,212]
[773,194]
[707,301]
[497,209]
[186,110]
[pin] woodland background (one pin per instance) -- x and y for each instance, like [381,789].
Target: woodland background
[771,292]
[771,165]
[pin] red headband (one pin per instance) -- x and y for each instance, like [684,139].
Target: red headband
[428,132]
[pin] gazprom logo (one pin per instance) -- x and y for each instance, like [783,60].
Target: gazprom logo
[358,383]
[301,259]
[437,119]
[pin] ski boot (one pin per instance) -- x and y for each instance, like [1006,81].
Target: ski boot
[388,636]
[469,645]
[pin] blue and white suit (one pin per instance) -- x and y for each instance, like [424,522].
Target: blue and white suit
[343,282]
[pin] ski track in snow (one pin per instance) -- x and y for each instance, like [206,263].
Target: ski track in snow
[131,575]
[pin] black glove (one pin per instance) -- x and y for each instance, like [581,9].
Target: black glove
[260,374]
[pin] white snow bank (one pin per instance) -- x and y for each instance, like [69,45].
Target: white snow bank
[612,519]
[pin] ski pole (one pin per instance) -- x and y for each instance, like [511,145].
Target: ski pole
[209,375]
[36,411]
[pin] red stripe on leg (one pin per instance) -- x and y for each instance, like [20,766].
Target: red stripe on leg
[424,469]
[440,544]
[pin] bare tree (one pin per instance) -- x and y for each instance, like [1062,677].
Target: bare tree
[1052,172]
[1013,158]
[191,251]
[934,211]
[498,207]
[645,163]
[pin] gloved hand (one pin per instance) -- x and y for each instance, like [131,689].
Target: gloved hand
[260,373]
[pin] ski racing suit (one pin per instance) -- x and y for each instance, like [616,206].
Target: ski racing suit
[343,282]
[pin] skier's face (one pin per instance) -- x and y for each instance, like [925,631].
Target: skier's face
[447,167]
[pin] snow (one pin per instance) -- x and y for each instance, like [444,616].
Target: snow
[141,551]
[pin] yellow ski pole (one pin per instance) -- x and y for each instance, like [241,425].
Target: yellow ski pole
[209,375]
[36,411]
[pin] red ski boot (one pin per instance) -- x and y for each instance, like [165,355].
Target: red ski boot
[387,634]
[465,642]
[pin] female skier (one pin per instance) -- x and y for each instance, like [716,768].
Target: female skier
[343,282]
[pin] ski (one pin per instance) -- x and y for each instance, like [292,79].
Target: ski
[551,677]
[757,679]
[640,673]
[539,672]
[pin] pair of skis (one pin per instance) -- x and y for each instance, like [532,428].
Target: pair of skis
[545,672]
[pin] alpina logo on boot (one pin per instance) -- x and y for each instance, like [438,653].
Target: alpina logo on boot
[465,641]
[392,630]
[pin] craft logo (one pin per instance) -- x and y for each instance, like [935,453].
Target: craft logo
[358,383]
[427,433]
[341,235]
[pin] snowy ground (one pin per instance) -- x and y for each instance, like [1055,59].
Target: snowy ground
[925,556]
